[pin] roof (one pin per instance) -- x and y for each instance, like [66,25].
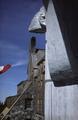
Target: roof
[21,82]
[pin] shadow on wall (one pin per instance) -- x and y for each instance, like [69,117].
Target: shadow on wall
[62,83]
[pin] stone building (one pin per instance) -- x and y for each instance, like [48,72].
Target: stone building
[36,74]
[28,103]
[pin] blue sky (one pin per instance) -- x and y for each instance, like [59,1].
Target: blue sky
[15,17]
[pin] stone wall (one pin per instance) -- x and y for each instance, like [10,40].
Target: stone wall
[37,75]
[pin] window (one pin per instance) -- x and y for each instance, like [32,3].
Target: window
[28,103]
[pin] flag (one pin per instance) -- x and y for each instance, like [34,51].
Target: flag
[4,68]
